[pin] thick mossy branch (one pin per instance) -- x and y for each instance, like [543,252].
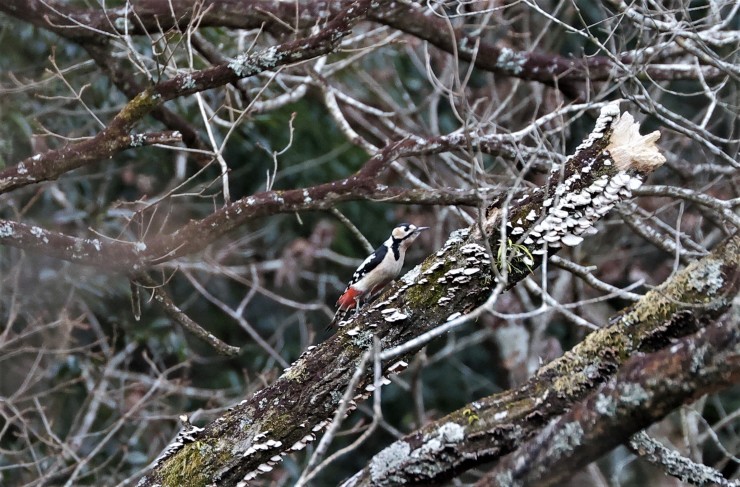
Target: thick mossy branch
[287,415]
[496,425]
[645,390]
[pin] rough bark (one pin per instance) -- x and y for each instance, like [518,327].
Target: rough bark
[675,464]
[285,416]
[496,425]
[644,391]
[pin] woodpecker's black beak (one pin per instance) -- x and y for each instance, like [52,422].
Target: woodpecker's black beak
[420,229]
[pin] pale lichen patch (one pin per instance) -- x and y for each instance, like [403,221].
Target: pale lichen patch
[388,460]
[567,437]
[708,278]
[605,405]
[39,233]
[510,60]
[633,394]
[6,230]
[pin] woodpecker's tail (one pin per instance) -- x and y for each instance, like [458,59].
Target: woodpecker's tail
[349,300]
[338,316]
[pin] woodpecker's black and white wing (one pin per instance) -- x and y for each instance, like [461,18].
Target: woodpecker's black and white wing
[369,264]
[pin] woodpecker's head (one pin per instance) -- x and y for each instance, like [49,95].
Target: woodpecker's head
[405,233]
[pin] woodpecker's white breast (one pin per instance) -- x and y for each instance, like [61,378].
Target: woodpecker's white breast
[386,268]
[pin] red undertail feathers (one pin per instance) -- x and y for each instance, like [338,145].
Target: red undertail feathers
[348,300]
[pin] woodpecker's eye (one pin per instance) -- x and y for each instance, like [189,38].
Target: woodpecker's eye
[403,230]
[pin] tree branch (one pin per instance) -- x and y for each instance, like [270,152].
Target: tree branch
[160,295]
[115,137]
[675,464]
[120,256]
[276,17]
[644,391]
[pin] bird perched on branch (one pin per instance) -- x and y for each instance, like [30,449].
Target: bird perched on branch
[380,268]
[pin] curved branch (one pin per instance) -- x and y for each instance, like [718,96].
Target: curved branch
[165,301]
[197,234]
[130,86]
[120,256]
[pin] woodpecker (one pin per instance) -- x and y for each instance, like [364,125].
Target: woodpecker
[375,272]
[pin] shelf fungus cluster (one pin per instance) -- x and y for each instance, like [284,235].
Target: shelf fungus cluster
[605,169]
[259,445]
[611,162]
[187,434]
[262,442]
[469,262]
[266,441]
[571,214]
